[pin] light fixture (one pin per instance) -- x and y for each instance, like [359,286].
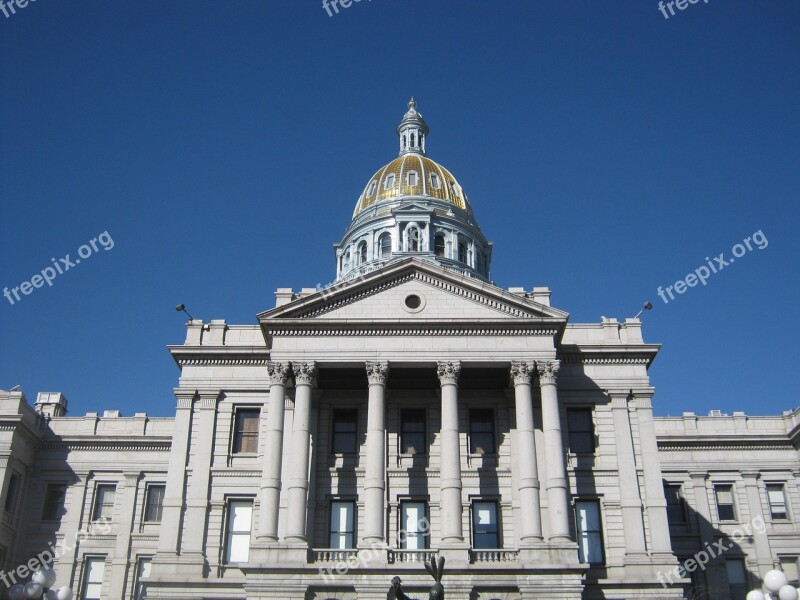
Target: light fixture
[778,588]
[182,308]
[647,306]
[40,587]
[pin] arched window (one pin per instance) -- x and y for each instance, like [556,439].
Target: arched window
[412,239]
[438,245]
[347,261]
[413,140]
[462,252]
[362,252]
[385,243]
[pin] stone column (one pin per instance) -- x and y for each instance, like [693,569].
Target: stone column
[760,539]
[630,499]
[297,485]
[450,458]
[528,474]
[655,502]
[273,453]
[197,500]
[172,515]
[375,477]
[126,498]
[557,497]
[711,579]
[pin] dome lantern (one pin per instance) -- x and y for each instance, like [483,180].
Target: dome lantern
[412,131]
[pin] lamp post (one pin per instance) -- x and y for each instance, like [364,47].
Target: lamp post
[777,586]
[40,587]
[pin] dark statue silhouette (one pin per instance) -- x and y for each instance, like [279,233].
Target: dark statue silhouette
[437,590]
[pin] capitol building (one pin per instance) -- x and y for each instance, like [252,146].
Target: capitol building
[411,410]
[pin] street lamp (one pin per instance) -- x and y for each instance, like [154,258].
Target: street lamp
[39,587]
[777,586]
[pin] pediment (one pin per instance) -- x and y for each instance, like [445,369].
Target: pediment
[381,296]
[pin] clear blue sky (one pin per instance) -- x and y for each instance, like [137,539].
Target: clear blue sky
[606,150]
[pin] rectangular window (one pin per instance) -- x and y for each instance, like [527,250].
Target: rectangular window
[676,508]
[345,431]
[412,178]
[245,434]
[11,493]
[590,532]
[789,568]
[725,507]
[414,525]
[54,501]
[104,502]
[413,439]
[435,181]
[777,501]
[342,524]
[481,431]
[142,572]
[485,529]
[155,503]
[93,569]
[737,578]
[240,520]
[581,430]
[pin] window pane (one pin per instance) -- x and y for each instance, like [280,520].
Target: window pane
[342,521]
[581,430]
[93,578]
[143,572]
[789,568]
[414,526]
[736,572]
[54,502]
[345,431]
[245,438]
[485,532]
[412,432]
[589,529]
[11,493]
[104,503]
[155,501]
[481,429]
[240,516]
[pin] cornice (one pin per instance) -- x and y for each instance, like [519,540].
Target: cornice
[92,443]
[617,354]
[256,356]
[391,327]
[724,443]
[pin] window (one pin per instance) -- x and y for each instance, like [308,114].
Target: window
[245,433]
[581,430]
[462,253]
[11,493]
[590,532]
[438,245]
[789,568]
[777,501]
[694,588]
[414,525]
[436,183]
[676,509]
[155,503]
[142,572]
[485,532]
[93,569]
[345,431]
[371,188]
[362,252]
[412,179]
[385,242]
[104,502]
[389,182]
[725,507]
[412,236]
[54,501]
[481,431]
[737,578]
[342,524]
[3,557]
[240,519]
[413,439]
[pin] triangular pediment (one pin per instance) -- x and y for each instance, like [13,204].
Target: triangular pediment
[387,295]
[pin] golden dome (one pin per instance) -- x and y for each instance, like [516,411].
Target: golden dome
[412,174]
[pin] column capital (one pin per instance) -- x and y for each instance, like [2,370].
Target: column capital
[185,397]
[377,372]
[209,398]
[304,373]
[448,372]
[278,372]
[548,371]
[522,371]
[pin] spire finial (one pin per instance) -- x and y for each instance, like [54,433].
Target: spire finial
[412,103]
[412,131]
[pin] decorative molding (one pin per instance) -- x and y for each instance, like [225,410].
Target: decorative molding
[304,373]
[598,359]
[109,445]
[234,473]
[448,372]
[548,371]
[221,361]
[522,371]
[278,372]
[377,372]
[413,329]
